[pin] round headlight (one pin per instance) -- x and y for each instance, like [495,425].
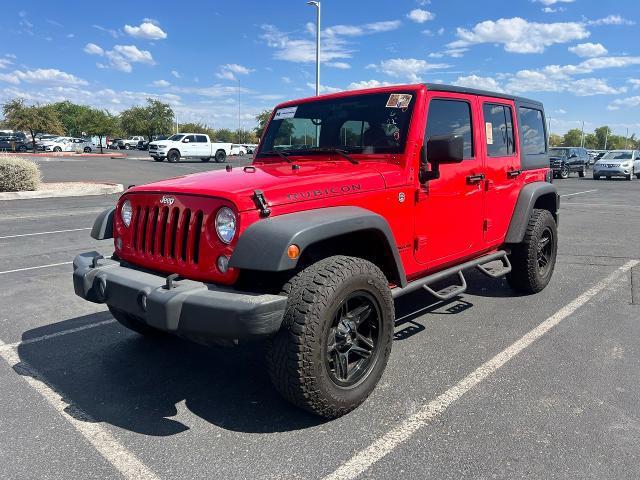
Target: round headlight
[126,212]
[225,224]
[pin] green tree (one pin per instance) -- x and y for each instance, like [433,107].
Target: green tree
[223,135]
[153,119]
[590,140]
[602,136]
[572,138]
[555,140]
[100,123]
[34,118]
[195,127]
[262,118]
[71,115]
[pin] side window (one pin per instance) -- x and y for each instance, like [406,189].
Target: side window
[192,138]
[201,139]
[451,117]
[351,133]
[533,133]
[498,130]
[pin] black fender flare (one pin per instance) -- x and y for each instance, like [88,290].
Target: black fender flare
[263,245]
[527,198]
[103,225]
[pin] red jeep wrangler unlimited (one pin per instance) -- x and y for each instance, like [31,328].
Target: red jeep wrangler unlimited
[353,199]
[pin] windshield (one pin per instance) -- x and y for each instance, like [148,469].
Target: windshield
[617,156]
[176,138]
[558,152]
[372,123]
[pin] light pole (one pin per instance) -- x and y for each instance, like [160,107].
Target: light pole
[317,5]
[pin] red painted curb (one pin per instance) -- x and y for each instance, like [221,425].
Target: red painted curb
[66,154]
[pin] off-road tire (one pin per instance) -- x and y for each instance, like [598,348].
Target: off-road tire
[296,354]
[582,172]
[564,171]
[221,156]
[173,156]
[134,323]
[526,275]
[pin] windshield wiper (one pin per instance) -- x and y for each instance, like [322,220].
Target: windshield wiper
[339,151]
[281,153]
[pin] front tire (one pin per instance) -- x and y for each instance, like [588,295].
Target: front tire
[335,337]
[158,159]
[582,172]
[57,149]
[534,259]
[87,149]
[133,323]
[564,172]
[173,156]
[596,177]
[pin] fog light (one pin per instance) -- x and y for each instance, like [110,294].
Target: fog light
[223,263]
[293,251]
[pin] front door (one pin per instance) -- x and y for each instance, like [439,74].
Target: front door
[449,210]
[190,148]
[502,167]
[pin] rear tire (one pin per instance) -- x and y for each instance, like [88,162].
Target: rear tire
[134,323]
[57,149]
[533,260]
[173,156]
[582,172]
[221,156]
[337,308]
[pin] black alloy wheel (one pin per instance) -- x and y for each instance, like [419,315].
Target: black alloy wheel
[545,251]
[353,339]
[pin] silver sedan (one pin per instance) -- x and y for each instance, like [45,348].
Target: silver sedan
[618,163]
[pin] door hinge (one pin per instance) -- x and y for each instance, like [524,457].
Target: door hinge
[261,203]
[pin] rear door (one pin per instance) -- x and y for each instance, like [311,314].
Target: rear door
[448,222]
[204,147]
[502,167]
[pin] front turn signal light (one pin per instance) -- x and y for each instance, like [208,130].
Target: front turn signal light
[293,251]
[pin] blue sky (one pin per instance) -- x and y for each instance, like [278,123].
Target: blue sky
[580,57]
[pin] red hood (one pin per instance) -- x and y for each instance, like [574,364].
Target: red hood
[280,183]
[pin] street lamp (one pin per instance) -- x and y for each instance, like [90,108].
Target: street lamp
[317,5]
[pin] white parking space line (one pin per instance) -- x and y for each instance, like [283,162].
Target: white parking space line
[113,451]
[612,205]
[61,333]
[577,193]
[50,214]
[364,459]
[44,233]
[35,268]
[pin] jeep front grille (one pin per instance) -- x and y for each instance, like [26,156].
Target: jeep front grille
[167,233]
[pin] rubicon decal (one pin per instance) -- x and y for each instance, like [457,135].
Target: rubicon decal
[325,192]
[165,200]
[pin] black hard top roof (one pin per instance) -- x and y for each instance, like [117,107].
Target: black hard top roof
[439,87]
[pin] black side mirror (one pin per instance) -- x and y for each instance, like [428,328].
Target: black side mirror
[440,149]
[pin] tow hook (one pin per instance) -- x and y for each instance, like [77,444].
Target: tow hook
[261,203]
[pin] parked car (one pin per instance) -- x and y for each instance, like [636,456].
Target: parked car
[238,150]
[142,145]
[70,144]
[250,147]
[113,143]
[13,144]
[618,163]
[14,133]
[130,143]
[308,248]
[185,145]
[565,160]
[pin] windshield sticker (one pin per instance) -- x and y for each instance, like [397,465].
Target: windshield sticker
[283,113]
[489,129]
[399,100]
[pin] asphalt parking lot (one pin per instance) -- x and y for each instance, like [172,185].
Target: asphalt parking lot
[488,385]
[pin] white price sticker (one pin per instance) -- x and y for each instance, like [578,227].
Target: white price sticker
[283,113]
[489,130]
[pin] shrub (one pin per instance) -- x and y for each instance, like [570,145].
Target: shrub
[18,174]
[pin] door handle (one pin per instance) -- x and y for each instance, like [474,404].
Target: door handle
[473,179]
[513,173]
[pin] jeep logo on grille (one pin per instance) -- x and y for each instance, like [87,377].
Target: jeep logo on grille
[167,200]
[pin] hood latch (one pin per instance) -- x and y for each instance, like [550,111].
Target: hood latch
[261,203]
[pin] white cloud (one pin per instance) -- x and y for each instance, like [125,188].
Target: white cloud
[420,16]
[589,50]
[553,2]
[366,84]
[161,83]
[409,68]
[93,49]
[286,79]
[474,81]
[586,87]
[230,70]
[611,20]
[113,33]
[5,62]
[146,31]
[624,102]
[324,88]
[175,73]
[339,65]
[560,111]
[553,10]
[358,30]
[518,35]
[43,76]
[122,56]
[635,82]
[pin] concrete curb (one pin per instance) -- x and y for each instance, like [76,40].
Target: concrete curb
[82,189]
[67,154]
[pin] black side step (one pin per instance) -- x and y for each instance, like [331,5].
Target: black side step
[453,290]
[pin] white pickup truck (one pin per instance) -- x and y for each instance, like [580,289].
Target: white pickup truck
[185,145]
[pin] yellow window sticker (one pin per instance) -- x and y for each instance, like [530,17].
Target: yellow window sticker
[399,100]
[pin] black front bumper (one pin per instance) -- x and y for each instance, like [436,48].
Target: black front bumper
[203,312]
